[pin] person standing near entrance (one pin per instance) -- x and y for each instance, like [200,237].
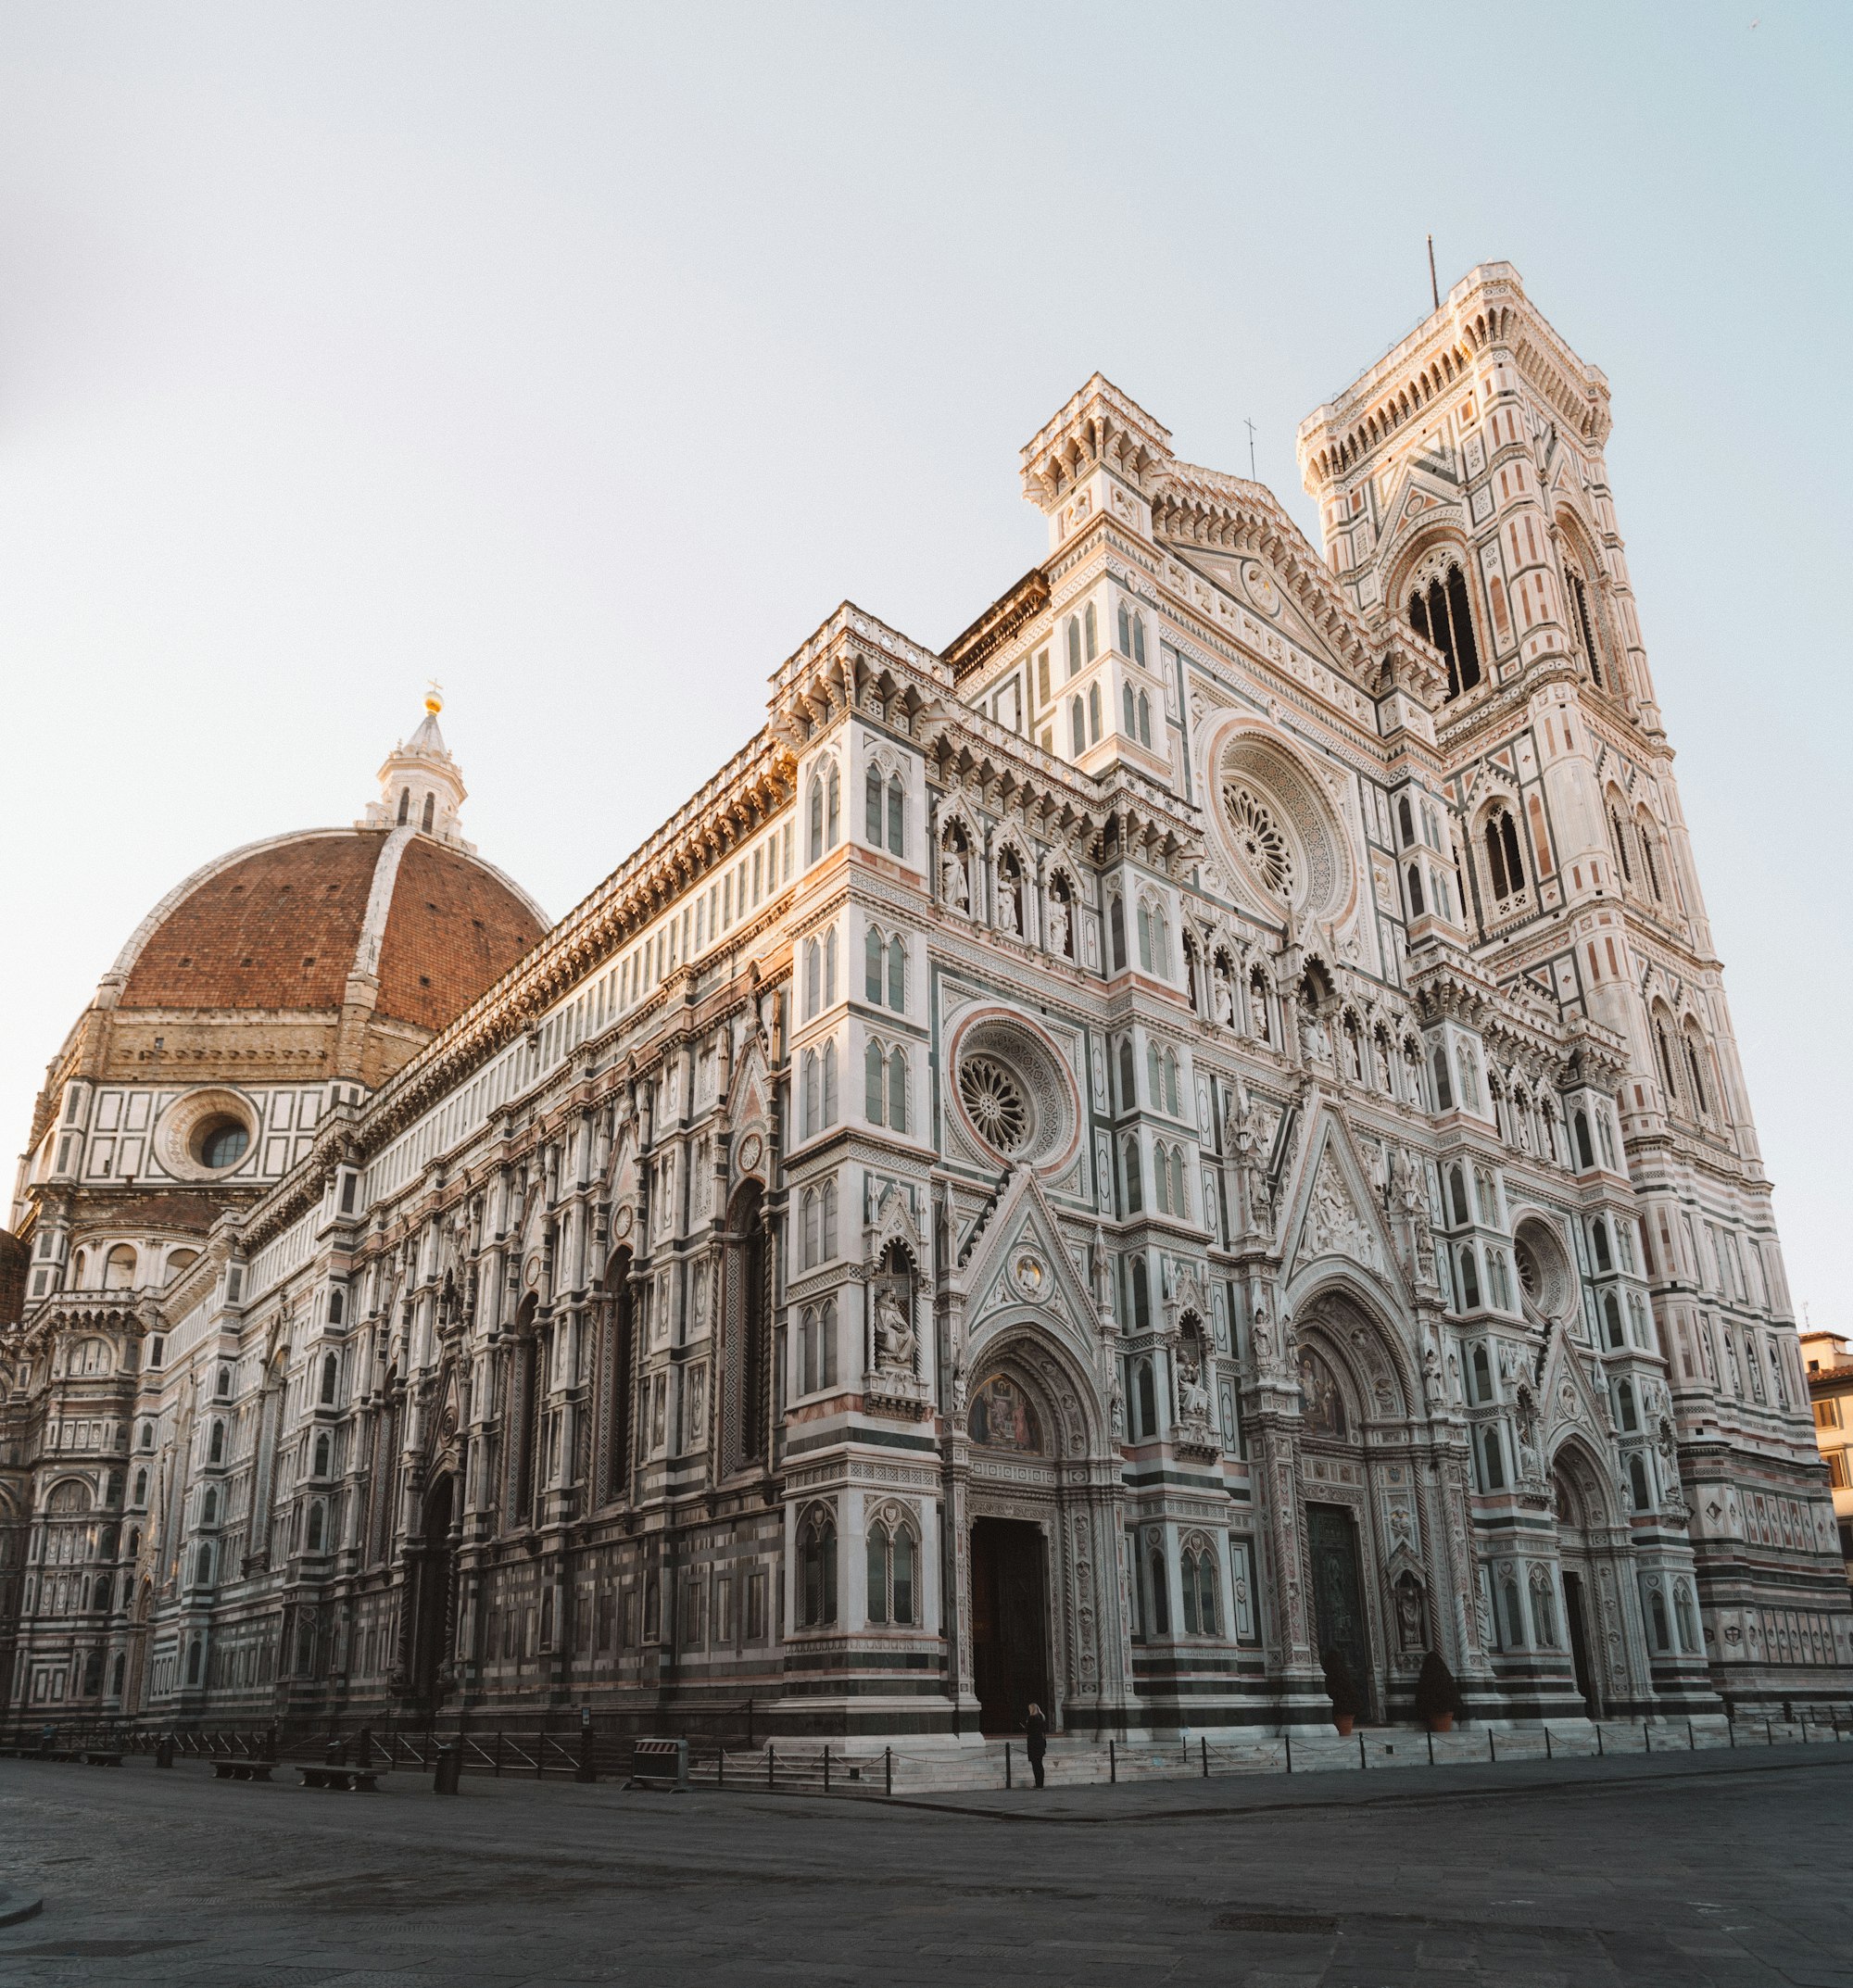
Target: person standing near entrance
[1037,1728]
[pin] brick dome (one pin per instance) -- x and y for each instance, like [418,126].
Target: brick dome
[290,924]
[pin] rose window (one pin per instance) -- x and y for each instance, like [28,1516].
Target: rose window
[1529,1278]
[994,1101]
[1259,837]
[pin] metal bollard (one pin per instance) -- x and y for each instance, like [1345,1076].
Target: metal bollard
[586,1768]
[1205,1744]
[1007,1781]
[887,1769]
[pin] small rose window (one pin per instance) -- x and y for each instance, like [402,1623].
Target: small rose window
[995,1100]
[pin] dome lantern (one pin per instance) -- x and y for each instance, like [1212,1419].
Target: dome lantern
[420,785]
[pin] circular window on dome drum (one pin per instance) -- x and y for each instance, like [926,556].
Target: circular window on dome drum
[221,1142]
[205,1134]
[1014,1092]
[1278,830]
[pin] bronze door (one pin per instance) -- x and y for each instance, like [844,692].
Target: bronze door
[1578,1643]
[1010,1640]
[1338,1591]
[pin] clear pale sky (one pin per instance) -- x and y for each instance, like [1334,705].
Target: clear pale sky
[585,357]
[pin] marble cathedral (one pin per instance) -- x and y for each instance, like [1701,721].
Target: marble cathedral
[1194,1127]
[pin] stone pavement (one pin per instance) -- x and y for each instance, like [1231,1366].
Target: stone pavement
[1690,1871]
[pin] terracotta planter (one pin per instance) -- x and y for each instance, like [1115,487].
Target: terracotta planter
[1342,1721]
[1441,1722]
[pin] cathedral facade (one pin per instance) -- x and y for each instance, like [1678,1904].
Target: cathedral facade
[1193,1130]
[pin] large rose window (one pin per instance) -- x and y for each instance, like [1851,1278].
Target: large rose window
[1280,834]
[1257,835]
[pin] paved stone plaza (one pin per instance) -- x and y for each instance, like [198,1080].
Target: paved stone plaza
[1678,1870]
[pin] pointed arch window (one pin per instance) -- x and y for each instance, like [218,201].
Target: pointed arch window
[1145,719]
[1130,711]
[891,1558]
[828,1061]
[897,1090]
[833,806]
[1503,859]
[1146,1399]
[1579,593]
[873,955]
[1413,877]
[331,1371]
[1129,1089]
[814,805]
[1077,727]
[1116,925]
[872,806]
[897,975]
[1444,1087]
[1135,1185]
[1439,614]
[1651,860]
[1699,1096]
[405,805]
[1090,632]
[1619,833]
[817,1572]
[430,806]
[1074,647]
[874,1085]
[1093,714]
[1469,1279]
[1202,1615]
[896,816]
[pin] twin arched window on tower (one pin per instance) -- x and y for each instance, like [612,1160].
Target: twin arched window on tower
[885,1087]
[1439,613]
[885,812]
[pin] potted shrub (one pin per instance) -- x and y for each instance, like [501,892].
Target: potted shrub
[1346,1699]
[1437,1695]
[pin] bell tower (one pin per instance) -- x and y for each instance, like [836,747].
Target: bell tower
[1465,506]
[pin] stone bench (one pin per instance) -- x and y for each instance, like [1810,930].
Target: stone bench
[242,1770]
[354,1780]
[94,1756]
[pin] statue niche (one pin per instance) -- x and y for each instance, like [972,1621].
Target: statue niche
[893,1384]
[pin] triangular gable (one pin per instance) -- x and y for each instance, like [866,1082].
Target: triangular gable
[1021,1260]
[1570,1399]
[1334,1209]
[749,1103]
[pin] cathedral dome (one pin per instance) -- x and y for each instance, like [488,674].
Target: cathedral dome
[328,953]
[285,925]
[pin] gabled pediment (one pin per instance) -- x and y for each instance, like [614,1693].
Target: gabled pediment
[1021,1260]
[1334,1211]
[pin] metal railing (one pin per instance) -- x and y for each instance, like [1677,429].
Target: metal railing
[600,1749]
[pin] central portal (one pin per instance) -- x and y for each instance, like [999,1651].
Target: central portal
[1010,1622]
